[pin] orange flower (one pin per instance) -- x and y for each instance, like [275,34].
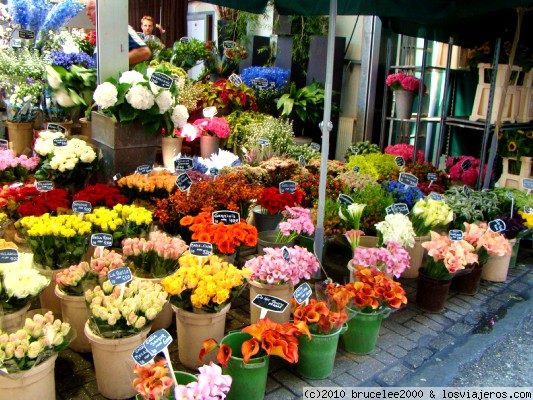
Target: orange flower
[208,345]
[249,349]
[250,240]
[312,316]
[186,221]
[224,354]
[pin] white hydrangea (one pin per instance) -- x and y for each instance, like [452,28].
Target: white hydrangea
[397,228]
[23,283]
[180,115]
[140,97]
[164,101]
[131,77]
[63,99]
[105,95]
[53,78]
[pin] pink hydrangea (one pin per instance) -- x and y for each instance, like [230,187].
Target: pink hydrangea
[216,126]
[297,221]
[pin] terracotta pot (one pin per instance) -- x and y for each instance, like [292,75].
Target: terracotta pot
[417,255]
[431,294]
[20,136]
[75,312]
[12,322]
[170,148]
[283,292]
[164,318]
[404,103]
[48,298]
[209,145]
[469,283]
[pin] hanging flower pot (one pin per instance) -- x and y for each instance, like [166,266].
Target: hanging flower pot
[170,148]
[404,103]
[431,293]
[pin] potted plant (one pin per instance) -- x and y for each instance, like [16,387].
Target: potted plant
[391,259]
[212,130]
[271,202]
[223,64]
[187,53]
[405,151]
[405,88]
[402,193]
[471,207]
[380,166]
[363,147]
[269,84]
[227,97]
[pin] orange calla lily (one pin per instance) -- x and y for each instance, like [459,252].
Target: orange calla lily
[224,354]
[303,328]
[321,308]
[312,316]
[249,349]
[207,346]
[257,329]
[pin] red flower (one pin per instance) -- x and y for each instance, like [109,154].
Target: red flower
[274,201]
[45,202]
[101,195]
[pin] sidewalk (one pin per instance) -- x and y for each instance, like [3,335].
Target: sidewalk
[409,340]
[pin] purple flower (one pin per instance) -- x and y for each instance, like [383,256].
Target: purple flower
[67,60]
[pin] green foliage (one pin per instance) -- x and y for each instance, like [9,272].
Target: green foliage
[376,199]
[516,143]
[302,28]
[361,148]
[521,199]
[380,166]
[305,104]
[480,206]
[238,121]
[297,150]
[186,54]
[277,131]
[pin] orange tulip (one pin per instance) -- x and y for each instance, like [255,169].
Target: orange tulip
[249,349]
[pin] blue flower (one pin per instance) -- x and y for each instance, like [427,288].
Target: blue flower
[60,14]
[39,11]
[276,77]
[20,12]
[67,60]
[402,193]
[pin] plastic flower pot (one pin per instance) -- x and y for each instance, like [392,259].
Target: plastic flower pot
[283,292]
[75,312]
[248,379]
[469,283]
[209,145]
[14,321]
[183,378]
[268,239]
[496,268]
[265,221]
[316,356]
[431,293]
[417,255]
[363,331]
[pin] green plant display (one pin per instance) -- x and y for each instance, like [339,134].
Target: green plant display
[278,132]
[361,148]
[238,121]
[479,206]
[376,199]
[305,104]
[307,153]
[516,143]
[380,166]
[186,54]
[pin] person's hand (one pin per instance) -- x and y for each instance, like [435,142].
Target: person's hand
[160,28]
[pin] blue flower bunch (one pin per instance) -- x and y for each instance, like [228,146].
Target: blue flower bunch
[38,12]
[60,14]
[67,60]
[276,77]
[402,193]
[20,12]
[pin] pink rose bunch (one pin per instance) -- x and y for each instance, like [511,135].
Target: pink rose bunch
[486,242]
[211,385]
[403,81]
[69,280]
[468,176]
[405,151]
[453,255]
[297,221]
[272,268]
[13,167]
[392,259]
[216,126]
[106,262]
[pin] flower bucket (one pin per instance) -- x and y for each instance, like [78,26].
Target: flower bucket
[48,298]
[113,363]
[316,356]
[283,292]
[363,331]
[468,283]
[514,254]
[268,239]
[266,222]
[431,294]
[20,136]
[192,329]
[36,383]
[248,379]
[209,145]
[417,255]
[85,128]
[170,148]
[496,268]
[404,103]
[12,322]
[183,378]
[74,311]
[164,318]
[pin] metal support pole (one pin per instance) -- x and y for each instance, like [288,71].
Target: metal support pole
[420,94]
[443,105]
[384,110]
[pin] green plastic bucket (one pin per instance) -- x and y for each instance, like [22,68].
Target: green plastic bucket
[316,356]
[249,379]
[183,378]
[362,333]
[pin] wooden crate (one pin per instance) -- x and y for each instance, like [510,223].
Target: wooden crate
[512,180]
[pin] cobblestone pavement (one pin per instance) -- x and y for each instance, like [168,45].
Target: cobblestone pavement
[409,338]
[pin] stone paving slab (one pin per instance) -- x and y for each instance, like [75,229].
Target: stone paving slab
[409,338]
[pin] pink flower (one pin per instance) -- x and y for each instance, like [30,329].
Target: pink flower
[392,259]
[190,132]
[216,126]
[455,255]
[405,151]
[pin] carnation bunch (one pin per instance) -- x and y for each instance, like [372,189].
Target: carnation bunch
[391,259]
[397,228]
[273,269]
[297,221]
[216,126]
[273,202]
[41,337]
[206,283]
[13,167]
[113,316]
[156,257]
[19,286]
[319,318]
[101,194]
[402,81]
[428,214]
[486,242]
[406,151]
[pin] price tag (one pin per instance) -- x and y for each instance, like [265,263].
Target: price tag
[25,34]
[301,160]
[185,39]
[263,141]
[44,186]
[201,249]
[260,83]
[345,199]
[432,177]
[315,146]
[56,127]
[226,217]
[497,225]
[141,356]
[161,80]
[400,208]
[355,151]
[183,182]
[528,210]
[400,162]
[455,234]
[467,191]
[4,144]
[408,179]
[228,44]
[235,79]
[269,303]
[214,171]
[101,240]
[389,210]
[119,276]
[183,164]
[117,177]
[435,196]
[466,164]
[81,207]
[302,293]
[143,169]
[60,142]
[16,43]
[355,169]
[209,112]
[15,185]
[527,183]
[9,255]
[287,187]
[157,342]
[509,195]
[285,254]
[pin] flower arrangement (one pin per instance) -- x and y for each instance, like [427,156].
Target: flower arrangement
[19,286]
[392,259]
[397,228]
[319,318]
[13,167]
[402,193]
[428,214]
[402,81]
[56,241]
[205,283]
[223,93]
[216,126]
[11,196]
[113,316]
[45,202]
[515,226]
[156,257]
[158,184]
[87,43]
[105,262]
[41,337]
[515,143]
[226,238]
[380,166]
[153,381]
[219,160]
[272,269]
[238,120]
[486,242]
[421,171]
[458,173]
[447,256]
[272,171]
[309,183]
[67,60]
[100,194]
[273,202]
[406,151]
[297,221]
[479,206]
[279,133]
[364,147]
[302,151]
[22,100]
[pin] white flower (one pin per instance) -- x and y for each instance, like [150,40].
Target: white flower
[53,78]
[397,228]
[88,156]
[105,95]
[164,101]
[140,97]
[63,99]
[23,283]
[180,115]
[131,77]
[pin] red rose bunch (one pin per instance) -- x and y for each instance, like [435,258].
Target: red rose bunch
[101,195]
[44,202]
[403,81]
[275,202]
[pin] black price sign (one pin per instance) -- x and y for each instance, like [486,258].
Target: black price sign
[509,195]
[315,146]
[435,196]
[226,217]
[400,208]
[183,182]
[143,169]
[345,199]
[162,80]
[44,186]
[467,191]
[302,293]
[270,303]
[285,254]
[9,255]
[157,342]
[355,169]
[60,142]
[185,39]
[56,128]
[4,144]
[400,162]
[141,356]
[527,183]
[101,240]
[432,177]
[455,235]
[119,276]
[497,225]
[287,187]
[201,249]
[466,164]
[301,160]
[183,164]
[82,207]
[25,34]
[228,44]
[263,141]
[408,179]
[261,83]
[214,171]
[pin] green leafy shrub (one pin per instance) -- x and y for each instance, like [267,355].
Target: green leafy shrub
[361,148]
[380,166]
